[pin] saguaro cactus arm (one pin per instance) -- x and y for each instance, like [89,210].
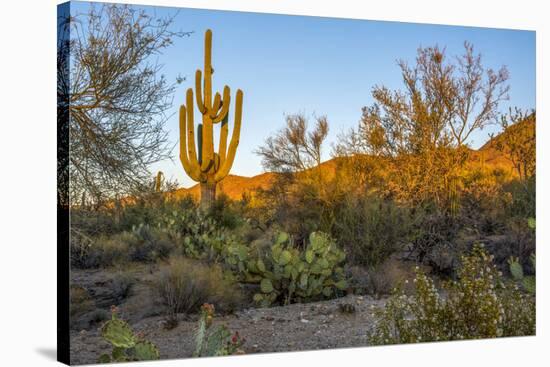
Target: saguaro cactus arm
[188,156]
[219,116]
[227,162]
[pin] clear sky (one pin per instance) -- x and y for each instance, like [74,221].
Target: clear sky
[318,66]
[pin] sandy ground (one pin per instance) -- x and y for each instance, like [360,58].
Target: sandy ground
[296,327]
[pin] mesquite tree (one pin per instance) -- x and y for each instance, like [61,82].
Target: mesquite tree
[117,98]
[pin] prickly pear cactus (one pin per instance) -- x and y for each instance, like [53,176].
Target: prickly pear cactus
[289,275]
[146,351]
[528,282]
[118,333]
[127,346]
[215,341]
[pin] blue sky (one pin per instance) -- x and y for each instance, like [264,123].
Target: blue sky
[319,66]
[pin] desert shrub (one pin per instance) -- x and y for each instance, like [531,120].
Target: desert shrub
[225,212]
[434,240]
[150,210]
[148,244]
[121,286]
[94,222]
[97,316]
[287,274]
[184,285]
[517,240]
[483,201]
[83,255]
[296,204]
[143,244]
[382,279]
[197,235]
[477,305]
[371,229]
[80,301]
[91,253]
[523,198]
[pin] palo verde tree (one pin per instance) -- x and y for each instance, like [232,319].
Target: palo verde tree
[116,98]
[424,127]
[206,166]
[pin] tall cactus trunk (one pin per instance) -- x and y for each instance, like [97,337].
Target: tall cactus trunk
[205,165]
[208,195]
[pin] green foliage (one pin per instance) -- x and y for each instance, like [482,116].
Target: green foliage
[215,341]
[528,282]
[286,274]
[225,212]
[149,244]
[523,198]
[127,346]
[371,229]
[477,305]
[142,244]
[198,235]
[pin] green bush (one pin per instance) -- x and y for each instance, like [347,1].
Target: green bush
[371,229]
[102,251]
[149,244]
[434,241]
[225,212]
[523,198]
[477,305]
[143,244]
[184,285]
[197,235]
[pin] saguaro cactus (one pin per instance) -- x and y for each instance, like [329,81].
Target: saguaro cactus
[207,167]
[158,181]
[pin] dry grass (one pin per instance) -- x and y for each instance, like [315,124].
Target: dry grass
[184,285]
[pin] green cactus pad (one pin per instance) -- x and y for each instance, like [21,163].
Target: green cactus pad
[516,270]
[118,333]
[104,358]
[282,237]
[530,285]
[119,354]
[146,351]
[309,256]
[266,286]
[285,257]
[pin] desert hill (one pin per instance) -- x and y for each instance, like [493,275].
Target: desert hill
[235,186]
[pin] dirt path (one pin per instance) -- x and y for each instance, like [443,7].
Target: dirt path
[295,327]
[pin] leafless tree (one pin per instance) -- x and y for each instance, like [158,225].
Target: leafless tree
[294,148]
[478,94]
[117,98]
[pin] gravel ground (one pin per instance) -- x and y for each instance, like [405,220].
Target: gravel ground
[296,327]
